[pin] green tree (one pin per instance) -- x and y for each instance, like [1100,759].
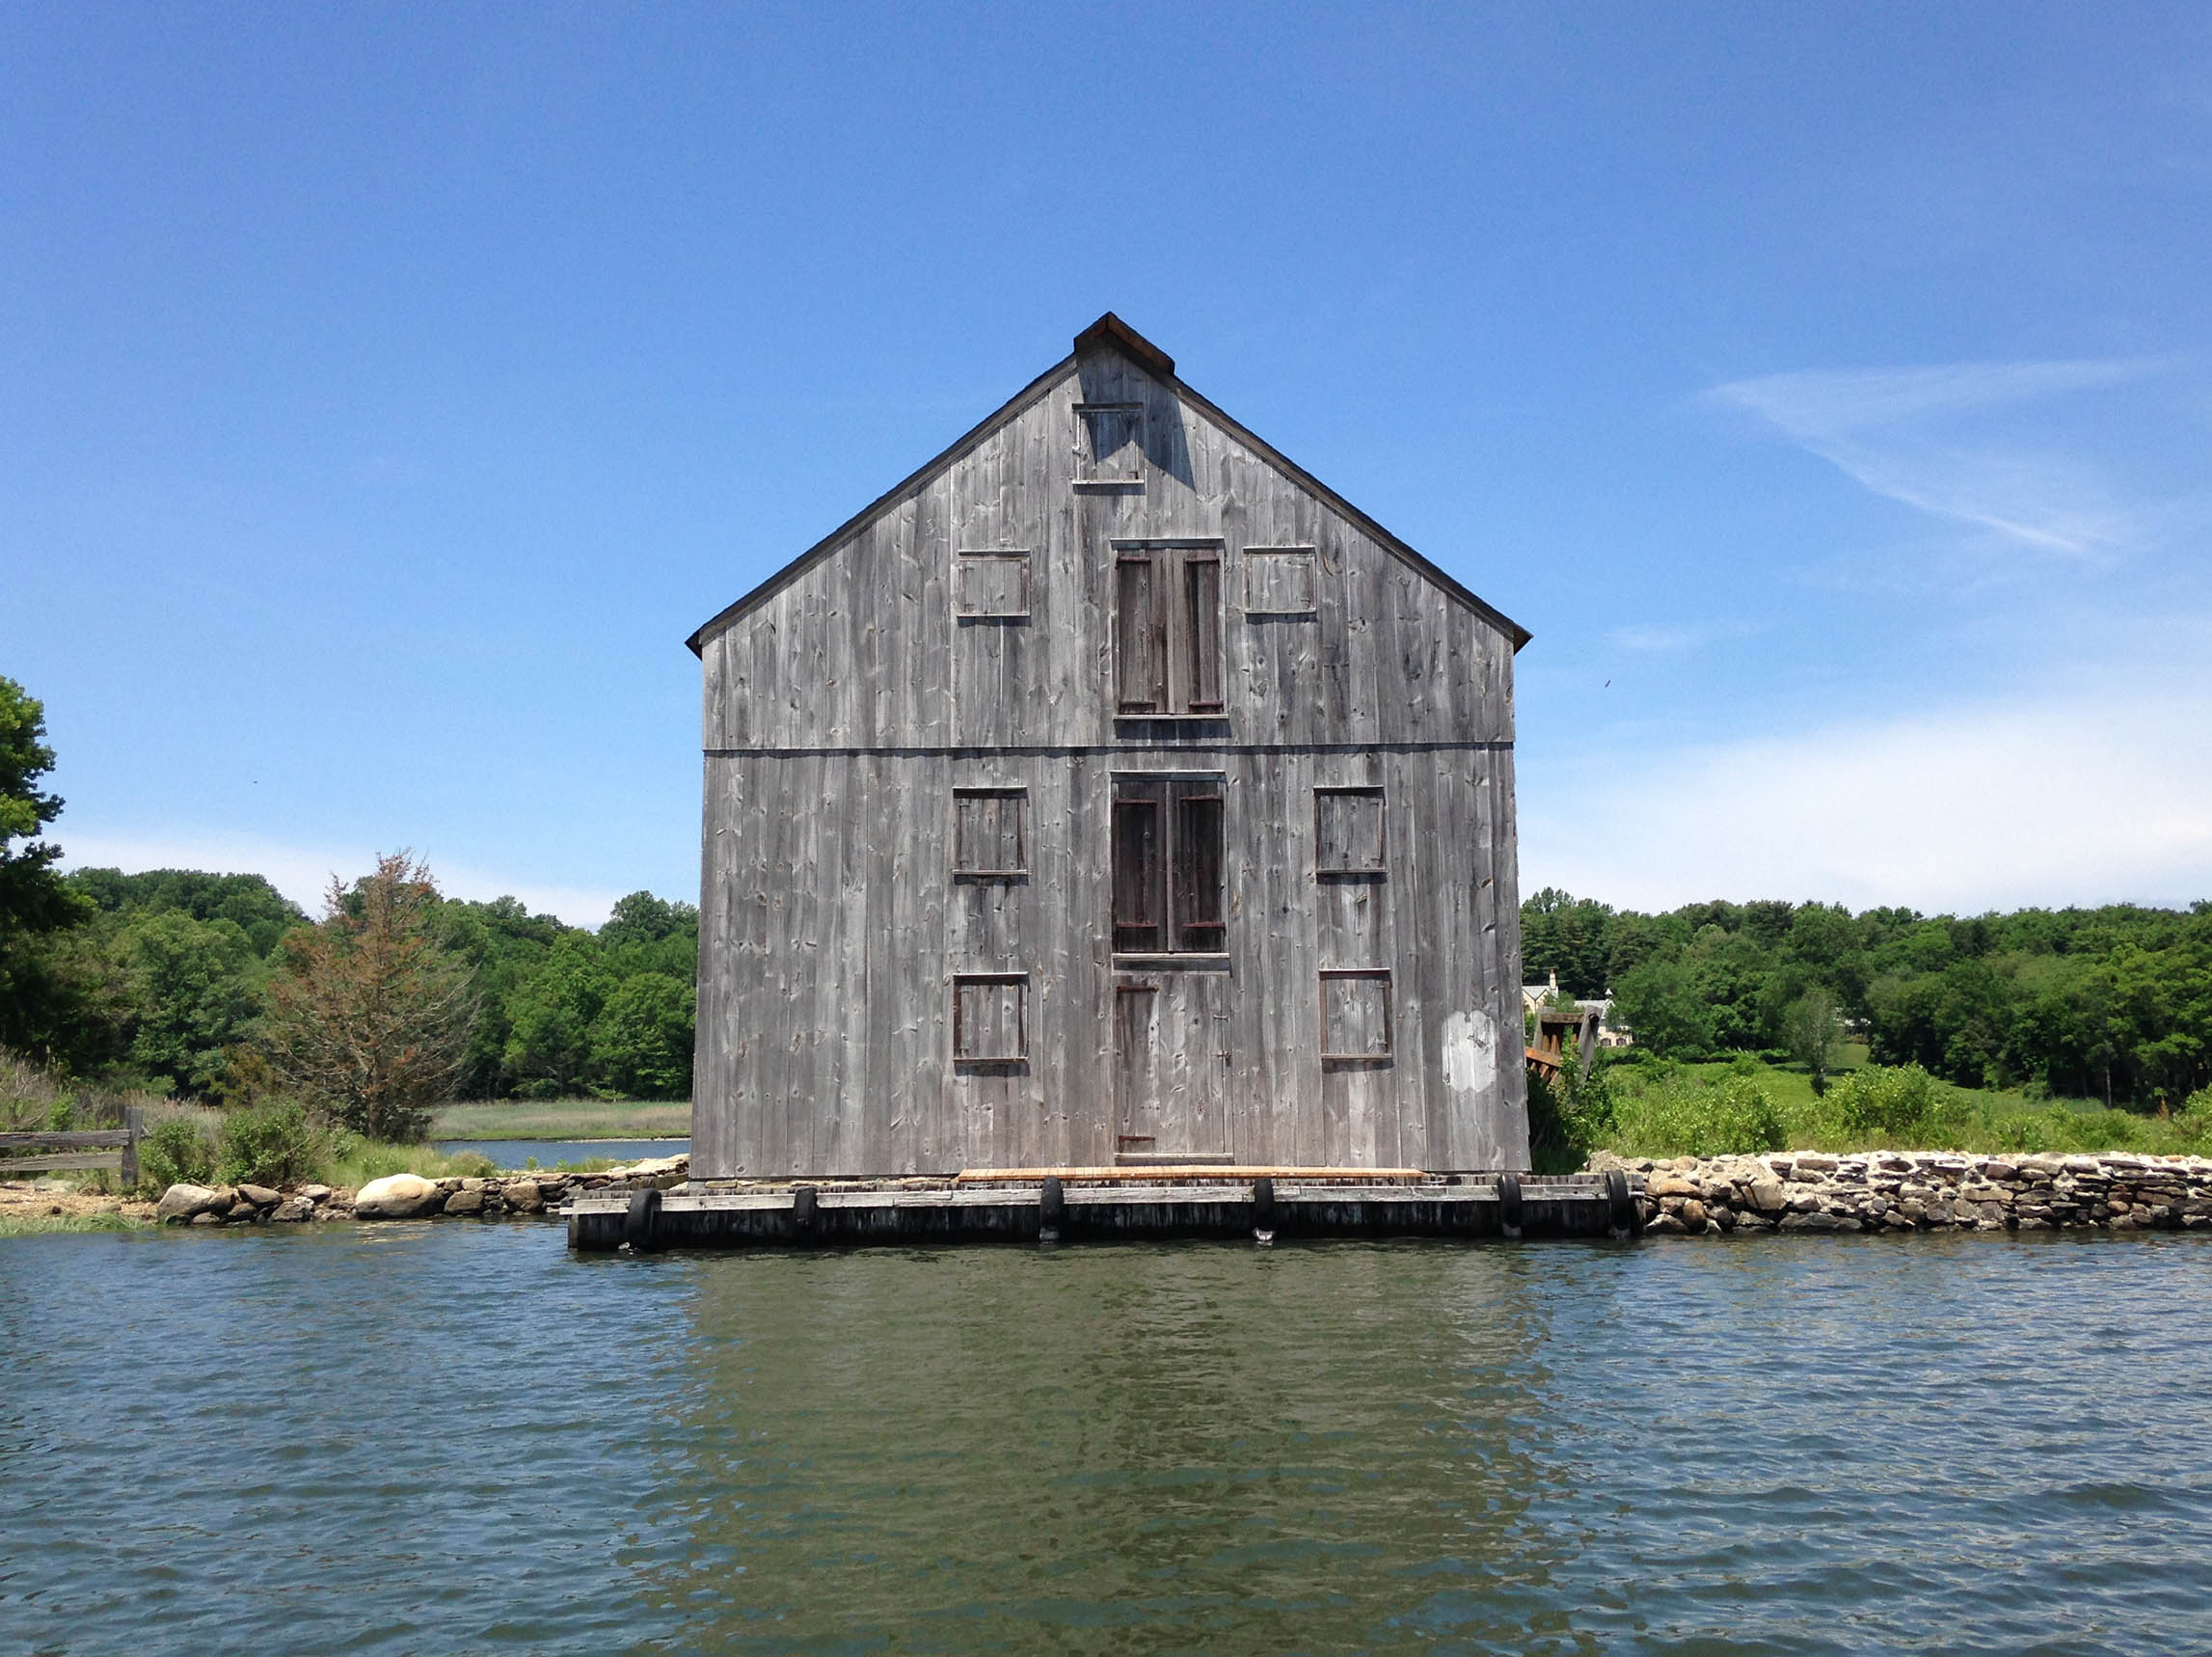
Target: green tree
[1809,1033]
[37,1003]
[1664,1012]
[194,991]
[641,1038]
[262,912]
[370,1015]
[551,1015]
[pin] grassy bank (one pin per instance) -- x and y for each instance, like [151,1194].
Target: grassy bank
[1648,1109]
[562,1119]
[32,1225]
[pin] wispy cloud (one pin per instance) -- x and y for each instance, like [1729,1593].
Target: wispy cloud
[1661,639]
[1909,434]
[304,873]
[2043,800]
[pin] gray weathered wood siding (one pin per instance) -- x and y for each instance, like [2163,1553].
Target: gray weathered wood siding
[844,708]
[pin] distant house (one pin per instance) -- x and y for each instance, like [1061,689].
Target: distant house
[1110,791]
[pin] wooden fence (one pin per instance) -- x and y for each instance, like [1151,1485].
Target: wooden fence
[110,1148]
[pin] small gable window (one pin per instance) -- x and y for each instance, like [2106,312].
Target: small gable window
[1348,831]
[992,586]
[990,1018]
[1110,442]
[990,831]
[1278,580]
[1355,1014]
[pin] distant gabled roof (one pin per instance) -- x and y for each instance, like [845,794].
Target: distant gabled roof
[1108,332]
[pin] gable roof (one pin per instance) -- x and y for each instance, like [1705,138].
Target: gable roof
[1108,332]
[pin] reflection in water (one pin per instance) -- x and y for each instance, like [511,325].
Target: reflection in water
[1313,1447]
[428,1437]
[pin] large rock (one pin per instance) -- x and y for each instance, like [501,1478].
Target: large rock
[180,1202]
[261,1196]
[397,1197]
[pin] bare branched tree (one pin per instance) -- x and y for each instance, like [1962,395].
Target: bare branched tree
[370,1018]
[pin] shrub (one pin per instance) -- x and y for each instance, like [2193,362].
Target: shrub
[176,1151]
[273,1143]
[1682,1116]
[1569,1117]
[1898,1102]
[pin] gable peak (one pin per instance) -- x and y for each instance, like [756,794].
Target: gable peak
[1111,331]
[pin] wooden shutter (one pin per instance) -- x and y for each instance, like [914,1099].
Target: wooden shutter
[1197,897]
[992,586]
[1110,443]
[991,1017]
[1355,1014]
[1140,648]
[1348,831]
[1140,867]
[988,836]
[1278,580]
[1202,630]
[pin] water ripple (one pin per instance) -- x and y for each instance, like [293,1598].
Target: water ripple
[419,1437]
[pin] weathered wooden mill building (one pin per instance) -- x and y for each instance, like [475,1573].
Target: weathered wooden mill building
[1110,791]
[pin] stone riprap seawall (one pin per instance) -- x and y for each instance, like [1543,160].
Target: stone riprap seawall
[408,1197]
[1919,1190]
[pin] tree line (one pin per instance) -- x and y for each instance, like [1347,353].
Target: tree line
[217,987]
[2112,1004]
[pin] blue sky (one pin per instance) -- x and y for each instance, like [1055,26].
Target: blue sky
[386,391]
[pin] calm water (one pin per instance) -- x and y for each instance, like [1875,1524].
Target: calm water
[511,1153]
[414,1437]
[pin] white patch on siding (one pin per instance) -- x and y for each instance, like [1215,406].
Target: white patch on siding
[1470,1077]
[1469,1058]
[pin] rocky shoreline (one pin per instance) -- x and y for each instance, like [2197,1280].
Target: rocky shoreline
[1919,1192]
[406,1197]
[1892,1191]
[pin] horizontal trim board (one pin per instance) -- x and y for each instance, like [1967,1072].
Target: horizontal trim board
[1081,751]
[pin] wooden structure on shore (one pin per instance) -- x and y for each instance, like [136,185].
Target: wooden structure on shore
[1109,793]
[113,1150]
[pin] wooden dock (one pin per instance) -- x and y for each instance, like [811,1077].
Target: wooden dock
[1019,1207]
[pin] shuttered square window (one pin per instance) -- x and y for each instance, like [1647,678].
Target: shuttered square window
[1169,866]
[1110,442]
[1166,628]
[992,586]
[990,831]
[1348,831]
[1278,580]
[1355,1014]
[990,1018]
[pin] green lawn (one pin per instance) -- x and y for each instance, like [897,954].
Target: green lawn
[1707,1109]
[561,1118]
